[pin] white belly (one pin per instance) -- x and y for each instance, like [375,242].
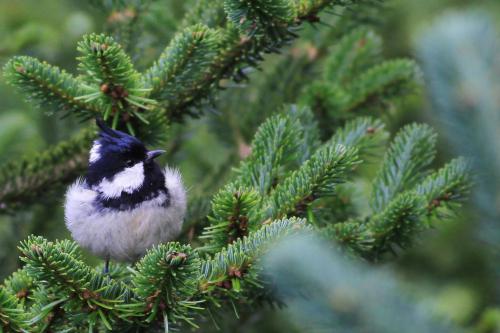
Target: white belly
[123,235]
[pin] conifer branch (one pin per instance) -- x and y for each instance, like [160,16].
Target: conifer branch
[352,55]
[12,315]
[318,177]
[275,145]
[411,151]
[232,272]
[363,133]
[208,12]
[165,282]
[446,187]
[352,235]
[253,15]
[372,90]
[389,79]
[309,135]
[83,291]
[27,180]
[397,224]
[308,8]
[239,51]
[45,314]
[177,75]
[103,61]
[232,217]
[21,285]
[58,263]
[169,284]
[48,86]
[237,210]
[112,82]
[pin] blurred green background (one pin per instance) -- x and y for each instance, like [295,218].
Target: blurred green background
[447,264]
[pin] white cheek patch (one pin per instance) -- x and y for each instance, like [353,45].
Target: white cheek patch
[94,153]
[128,181]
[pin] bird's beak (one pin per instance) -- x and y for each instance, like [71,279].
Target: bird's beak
[151,155]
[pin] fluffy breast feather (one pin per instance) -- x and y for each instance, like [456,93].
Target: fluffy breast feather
[125,235]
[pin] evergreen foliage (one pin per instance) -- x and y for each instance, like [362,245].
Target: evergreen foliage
[251,16]
[302,164]
[169,286]
[23,182]
[48,86]
[172,283]
[275,145]
[316,178]
[182,78]
[12,316]
[356,290]
[463,90]
[411,151]
[356,79]
[175,78]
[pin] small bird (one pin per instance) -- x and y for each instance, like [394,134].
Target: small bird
[126,203]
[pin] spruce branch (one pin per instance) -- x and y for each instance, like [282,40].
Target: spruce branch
[356,84]
[356,52]
[405,211]
[364,133]
[124,21]
[309,136]
[20,284]
[168,286]
[446,187]
[275,145]
[237,51]
[103,61]
[370,238]
[51,262]
[208,12]
[318,177]
[397,224]
[351,235]
[412,150]
[178,74]
[165,282]
[46,312]
[280,145]
[112,82]
[382,82]
[12,315]
[48,86]
[252,15]
[86,295]
[25,181]
[232,217]
[232,273]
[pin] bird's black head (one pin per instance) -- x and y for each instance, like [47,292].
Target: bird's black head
[114,152]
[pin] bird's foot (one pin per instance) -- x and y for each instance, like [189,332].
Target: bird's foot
[106,267]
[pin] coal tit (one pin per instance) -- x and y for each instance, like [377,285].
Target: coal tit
[126,203]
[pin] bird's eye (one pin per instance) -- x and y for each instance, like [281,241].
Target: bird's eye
[129,163]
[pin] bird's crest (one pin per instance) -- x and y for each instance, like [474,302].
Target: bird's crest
[115,140]
[107,130]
